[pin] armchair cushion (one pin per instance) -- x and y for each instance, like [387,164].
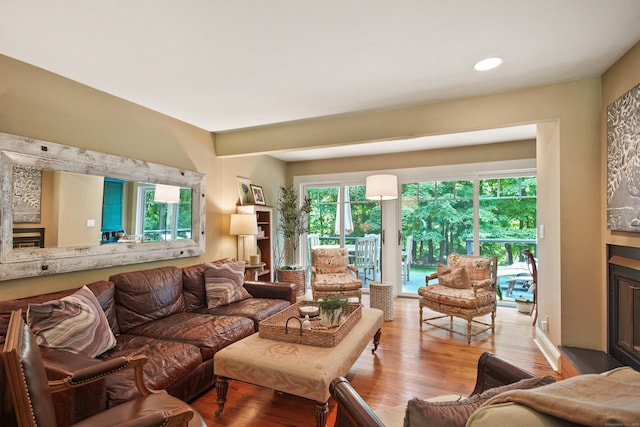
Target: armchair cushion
[330,261]
[454,297]
[455,413]
[223,283]
[75,323]
[478,267]
[453,277]
[344,281]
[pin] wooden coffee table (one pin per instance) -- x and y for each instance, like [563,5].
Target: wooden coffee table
[297,369]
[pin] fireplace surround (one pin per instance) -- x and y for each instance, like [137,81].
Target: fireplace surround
[623,304]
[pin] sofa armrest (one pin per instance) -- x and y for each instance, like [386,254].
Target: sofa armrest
[352,409]
[285,291]
[494,371]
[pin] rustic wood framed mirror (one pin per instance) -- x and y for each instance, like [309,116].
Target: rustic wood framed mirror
[72,183]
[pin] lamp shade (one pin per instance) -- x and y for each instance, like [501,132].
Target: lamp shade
[382,187]
[166,194]
[243,225]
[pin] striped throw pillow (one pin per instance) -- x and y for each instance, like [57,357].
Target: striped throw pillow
[223,283]
[75,323]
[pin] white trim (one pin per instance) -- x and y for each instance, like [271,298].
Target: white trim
[549,351]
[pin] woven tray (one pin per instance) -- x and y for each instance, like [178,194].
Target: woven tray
[276,328]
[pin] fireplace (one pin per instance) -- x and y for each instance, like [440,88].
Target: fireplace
[623,305]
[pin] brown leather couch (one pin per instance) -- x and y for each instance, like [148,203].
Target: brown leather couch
[162,314]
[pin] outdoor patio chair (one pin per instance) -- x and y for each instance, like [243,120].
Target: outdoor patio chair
[331,274]
[533,269]
[466,289]
[407,258]
[366,257]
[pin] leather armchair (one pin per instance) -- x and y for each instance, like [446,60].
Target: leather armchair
[31,390]
[353,411]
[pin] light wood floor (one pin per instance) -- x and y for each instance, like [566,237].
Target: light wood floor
[408,363]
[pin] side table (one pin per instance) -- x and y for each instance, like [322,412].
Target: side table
[381,296]
[251,271]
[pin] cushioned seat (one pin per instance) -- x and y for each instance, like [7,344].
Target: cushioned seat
[331,274]
[178,360]
[256,309]
[466,289]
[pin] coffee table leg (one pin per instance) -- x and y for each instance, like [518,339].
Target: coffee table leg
[322,410]
[222,385]
[376,340]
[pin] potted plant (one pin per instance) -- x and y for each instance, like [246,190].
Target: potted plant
[292,219]
[332,309]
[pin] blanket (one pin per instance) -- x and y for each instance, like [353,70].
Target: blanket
[593,400]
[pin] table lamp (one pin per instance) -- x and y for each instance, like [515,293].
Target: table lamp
[243,226]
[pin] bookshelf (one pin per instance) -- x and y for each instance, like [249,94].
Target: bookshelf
[263,241]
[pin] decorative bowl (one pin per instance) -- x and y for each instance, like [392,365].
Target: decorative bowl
[311,310]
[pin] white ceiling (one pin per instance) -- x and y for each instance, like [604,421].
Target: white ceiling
[224,65]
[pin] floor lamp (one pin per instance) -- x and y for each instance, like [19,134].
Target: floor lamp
[243,226]
[381,187]
[166,194]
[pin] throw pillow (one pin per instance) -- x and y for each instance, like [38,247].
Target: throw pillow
[455,413]
[75,323]
[455,277]
[223,283]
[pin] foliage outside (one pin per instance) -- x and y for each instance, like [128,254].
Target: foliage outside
[159,215]
[439,216]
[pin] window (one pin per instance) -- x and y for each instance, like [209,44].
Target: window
[488,216]
[164,221]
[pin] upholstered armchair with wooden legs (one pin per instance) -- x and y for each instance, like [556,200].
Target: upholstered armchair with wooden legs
[466,289]
[31,391]
[331,274]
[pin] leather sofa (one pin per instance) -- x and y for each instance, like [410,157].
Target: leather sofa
[161,313]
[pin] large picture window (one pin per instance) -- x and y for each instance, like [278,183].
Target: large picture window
[494,214]
[488,216]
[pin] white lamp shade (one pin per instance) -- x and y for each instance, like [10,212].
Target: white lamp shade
[166,194]
[243,225]
[382,187]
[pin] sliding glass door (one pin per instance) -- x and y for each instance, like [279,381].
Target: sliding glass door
[486,216]
[341,216]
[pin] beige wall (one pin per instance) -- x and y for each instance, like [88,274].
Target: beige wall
[570,294]
[42,105]
[617,80]
[74,211]
[570,165]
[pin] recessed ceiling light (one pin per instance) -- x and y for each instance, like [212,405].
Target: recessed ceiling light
[488,64]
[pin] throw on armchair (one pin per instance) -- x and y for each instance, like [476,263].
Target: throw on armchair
[331,274]
[467,289]
[493,376]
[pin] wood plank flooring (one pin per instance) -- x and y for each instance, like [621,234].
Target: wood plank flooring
[408,363]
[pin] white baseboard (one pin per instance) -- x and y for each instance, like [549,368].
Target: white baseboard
[549,351]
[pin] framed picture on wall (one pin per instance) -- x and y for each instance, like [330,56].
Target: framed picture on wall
[623,162]
[244,190]
[258,195]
